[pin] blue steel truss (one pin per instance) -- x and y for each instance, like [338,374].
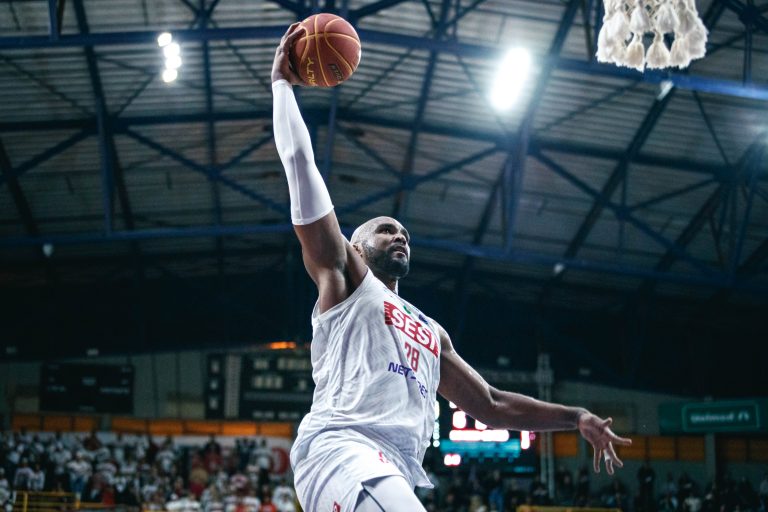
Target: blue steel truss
[518,147]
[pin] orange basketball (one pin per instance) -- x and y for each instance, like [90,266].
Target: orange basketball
[328,52]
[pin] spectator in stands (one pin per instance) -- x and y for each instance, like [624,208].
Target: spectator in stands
[59,458]
[684,487]
[263,458]
[615,495]
[539,493]
[748,498]
[583,491]
[22,477]
[711,502]
[212,500]
[92,442]
[646,482]
[198,476]
[764,493]
[564,487]
[212,445]
[670,486]
[266,503]
[284,497]
[37,479]
[668,502]
[692,503]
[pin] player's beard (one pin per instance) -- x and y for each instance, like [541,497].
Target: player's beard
[383,262]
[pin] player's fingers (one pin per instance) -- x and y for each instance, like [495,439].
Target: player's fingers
[596,460]
[609,465]
[295,33]
[624,441]
[610,452]
[607,422]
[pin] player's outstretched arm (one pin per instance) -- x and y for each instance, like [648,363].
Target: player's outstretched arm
[462,385]
[329,258]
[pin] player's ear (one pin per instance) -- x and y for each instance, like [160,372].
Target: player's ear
[358,249]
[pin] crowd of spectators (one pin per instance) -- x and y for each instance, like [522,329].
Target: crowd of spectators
[474,489]
[142,473]
[139,473]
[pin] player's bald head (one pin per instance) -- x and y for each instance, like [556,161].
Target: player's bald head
[366,230]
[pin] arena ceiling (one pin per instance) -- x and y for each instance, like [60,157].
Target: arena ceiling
[602,190]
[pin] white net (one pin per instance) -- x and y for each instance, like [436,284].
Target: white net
[626,22]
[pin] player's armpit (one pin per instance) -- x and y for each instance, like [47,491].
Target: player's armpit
[331,262]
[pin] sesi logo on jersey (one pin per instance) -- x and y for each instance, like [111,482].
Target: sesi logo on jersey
[410,327]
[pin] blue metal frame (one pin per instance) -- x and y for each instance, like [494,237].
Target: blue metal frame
[19,198]
[680,80]
[519,146]
[622,213]
[206,170]
[718,280]
[421,105]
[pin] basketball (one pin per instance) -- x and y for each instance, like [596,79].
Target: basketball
[328,52]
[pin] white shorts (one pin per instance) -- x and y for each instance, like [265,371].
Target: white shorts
[330,477]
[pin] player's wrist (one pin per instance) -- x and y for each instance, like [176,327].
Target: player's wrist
[579,414]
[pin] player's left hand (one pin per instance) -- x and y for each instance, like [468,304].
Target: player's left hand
[598,433]
[281,66]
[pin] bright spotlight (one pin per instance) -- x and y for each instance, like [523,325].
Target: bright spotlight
[164,39]
[169,75]
[173,62]
[512,74]
[171,50]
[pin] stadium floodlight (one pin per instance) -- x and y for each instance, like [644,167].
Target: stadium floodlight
[169,75]
[172,50]
[164,39]
[513,72]
[173,62]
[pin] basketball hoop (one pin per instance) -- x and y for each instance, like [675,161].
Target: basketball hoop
[626,22]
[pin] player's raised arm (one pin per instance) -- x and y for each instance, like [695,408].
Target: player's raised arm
[462,385]
[328,256]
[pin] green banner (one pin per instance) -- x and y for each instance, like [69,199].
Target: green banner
[741,416]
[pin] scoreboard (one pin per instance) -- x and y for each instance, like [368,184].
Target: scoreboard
[99,388]
[462,438]
[261,385]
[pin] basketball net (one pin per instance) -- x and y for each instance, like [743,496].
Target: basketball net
[627,21]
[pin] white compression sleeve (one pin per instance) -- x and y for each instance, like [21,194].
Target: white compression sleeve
[310,200]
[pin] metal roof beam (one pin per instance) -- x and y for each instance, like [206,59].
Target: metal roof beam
[19,199]
[623,214]
[514,169]
[121,124]
[49,153]
[111,170]
[414,181]
[491,253]
[194,166]
[748,13]
[706,211]
[356,14]
[618,174]
[679,80]
[467,268]
[421,106]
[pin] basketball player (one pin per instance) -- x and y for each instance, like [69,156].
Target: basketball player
[377,360]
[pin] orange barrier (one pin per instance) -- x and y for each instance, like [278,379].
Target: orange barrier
[158,427]
[45,501]
[536,508]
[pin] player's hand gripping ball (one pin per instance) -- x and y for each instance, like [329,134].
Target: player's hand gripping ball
[327,53]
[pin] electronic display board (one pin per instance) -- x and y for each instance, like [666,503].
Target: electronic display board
[100,388]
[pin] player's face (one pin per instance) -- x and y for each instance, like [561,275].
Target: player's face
[386,250]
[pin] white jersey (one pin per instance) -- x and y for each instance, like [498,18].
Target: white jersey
[376,367]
